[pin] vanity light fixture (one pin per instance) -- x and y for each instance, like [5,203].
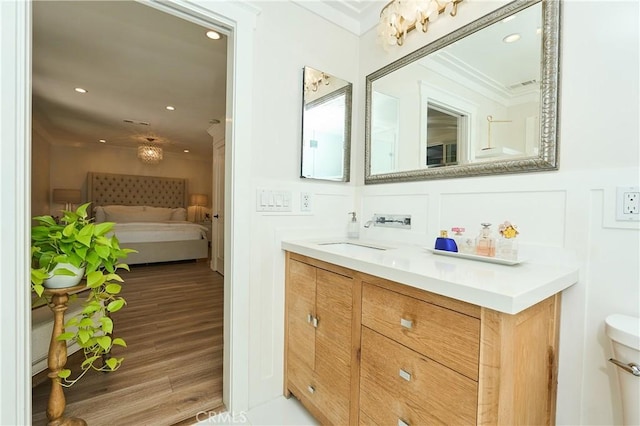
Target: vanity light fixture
[313,79]
[80,90]
[185,150]
[102,141]
[170,108]
[400,17]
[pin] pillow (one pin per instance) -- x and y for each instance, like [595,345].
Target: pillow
[139,216]
[101,211]
[178,214]
[99,215]
[122,209]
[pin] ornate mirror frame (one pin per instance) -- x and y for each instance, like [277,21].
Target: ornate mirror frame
[547,158]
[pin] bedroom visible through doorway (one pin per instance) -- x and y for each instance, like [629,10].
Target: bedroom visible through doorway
[63,122]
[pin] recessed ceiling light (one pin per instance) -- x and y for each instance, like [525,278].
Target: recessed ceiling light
[80,90]
[511,38]
[102,141]
[171,108]
[186,150]
[213,35]
[509,18]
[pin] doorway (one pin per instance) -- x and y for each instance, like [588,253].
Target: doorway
[15,186]
[221,255]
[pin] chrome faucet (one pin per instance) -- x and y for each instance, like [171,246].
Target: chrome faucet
[390,220]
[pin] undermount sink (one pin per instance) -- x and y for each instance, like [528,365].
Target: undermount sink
[347,247]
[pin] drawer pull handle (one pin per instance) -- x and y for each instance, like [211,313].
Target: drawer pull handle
[406,323]
[311,389]
[315,322]
[405,375]
[402,423]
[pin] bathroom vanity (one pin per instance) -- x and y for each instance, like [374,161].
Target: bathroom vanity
[398,335]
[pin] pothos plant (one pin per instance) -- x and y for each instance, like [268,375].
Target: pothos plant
[76,240]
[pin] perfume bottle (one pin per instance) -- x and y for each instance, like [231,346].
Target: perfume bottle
[465,244]
[485,243]
[445,243]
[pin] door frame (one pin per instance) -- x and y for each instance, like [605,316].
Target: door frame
[216,211]
[15,184]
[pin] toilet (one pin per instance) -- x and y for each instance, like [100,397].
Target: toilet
[624,332]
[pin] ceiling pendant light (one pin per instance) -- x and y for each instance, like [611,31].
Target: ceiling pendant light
[150,153]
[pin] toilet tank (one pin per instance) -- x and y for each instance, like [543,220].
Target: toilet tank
[624,332]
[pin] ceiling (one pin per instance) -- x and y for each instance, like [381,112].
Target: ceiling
[134,61]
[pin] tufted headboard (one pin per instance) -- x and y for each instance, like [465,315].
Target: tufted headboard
[104,189]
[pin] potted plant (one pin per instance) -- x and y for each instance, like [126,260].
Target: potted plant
[76,246]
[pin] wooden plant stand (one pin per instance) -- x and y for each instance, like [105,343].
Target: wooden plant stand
[58,357]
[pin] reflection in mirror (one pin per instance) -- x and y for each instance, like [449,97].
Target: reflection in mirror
[481,100]
[326,126]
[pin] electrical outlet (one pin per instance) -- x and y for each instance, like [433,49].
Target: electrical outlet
[628,203]
[306,202]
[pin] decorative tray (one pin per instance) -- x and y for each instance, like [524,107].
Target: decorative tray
[475,257]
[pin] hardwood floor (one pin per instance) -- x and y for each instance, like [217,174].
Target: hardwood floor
[173,361]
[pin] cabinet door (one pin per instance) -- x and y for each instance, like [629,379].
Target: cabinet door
[334,310]
[301,300]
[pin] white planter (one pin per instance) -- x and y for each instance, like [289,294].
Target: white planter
[63,281]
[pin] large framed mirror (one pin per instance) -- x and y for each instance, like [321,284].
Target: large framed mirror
[482,100]
[326,126]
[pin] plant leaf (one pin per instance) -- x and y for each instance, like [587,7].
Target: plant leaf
[113,288]
[103,251]
[112,363]
[66,336]
[107,324]
[104,342]
[103,228]
[64,373]
[85,234]
[87,362]
[83,336]
[116,305]
[95,279]
[120,342]
[86,322]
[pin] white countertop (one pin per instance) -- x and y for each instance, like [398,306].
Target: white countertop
[505,288]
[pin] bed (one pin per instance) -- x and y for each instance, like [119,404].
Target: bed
[150,215]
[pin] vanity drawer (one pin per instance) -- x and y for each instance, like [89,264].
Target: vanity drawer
[446,336]
[327,388]
[398,384]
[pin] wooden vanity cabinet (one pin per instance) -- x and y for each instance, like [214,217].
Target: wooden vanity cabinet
[387,353]
[322,338]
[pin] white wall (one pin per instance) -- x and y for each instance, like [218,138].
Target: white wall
[287,37]
[571,208]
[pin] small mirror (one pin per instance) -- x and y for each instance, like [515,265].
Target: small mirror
[326,126]
[481,100]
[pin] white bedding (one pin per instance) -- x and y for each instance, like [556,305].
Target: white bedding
[138,232]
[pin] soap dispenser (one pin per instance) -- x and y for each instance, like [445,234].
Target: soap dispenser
[353,231]
[485,243]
